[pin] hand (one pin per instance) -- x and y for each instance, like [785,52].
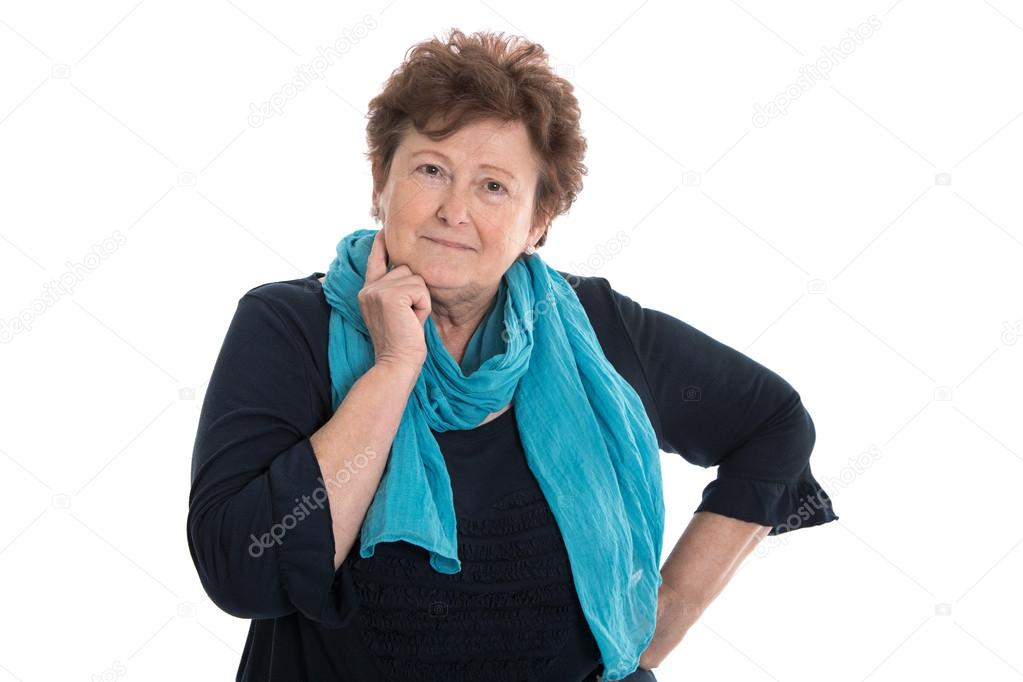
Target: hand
[395,304]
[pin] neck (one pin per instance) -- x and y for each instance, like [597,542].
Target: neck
[458,315]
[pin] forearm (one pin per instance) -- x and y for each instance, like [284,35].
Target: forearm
[352,447]
[705,558]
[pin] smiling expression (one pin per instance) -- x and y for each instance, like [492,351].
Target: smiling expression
[460,210]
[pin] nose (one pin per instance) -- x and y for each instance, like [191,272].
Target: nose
[453,209]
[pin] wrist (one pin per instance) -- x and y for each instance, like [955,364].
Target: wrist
[403,372]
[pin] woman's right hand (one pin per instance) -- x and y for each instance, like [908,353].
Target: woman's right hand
[395,305]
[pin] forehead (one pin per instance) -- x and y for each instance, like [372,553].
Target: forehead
[501,143]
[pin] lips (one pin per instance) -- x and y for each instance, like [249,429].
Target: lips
[454,245]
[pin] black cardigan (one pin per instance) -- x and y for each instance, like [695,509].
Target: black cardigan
[391,616]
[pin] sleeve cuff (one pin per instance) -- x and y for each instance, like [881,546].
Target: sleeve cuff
[303,535]
[782,506]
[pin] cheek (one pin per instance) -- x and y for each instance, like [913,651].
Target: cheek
[404,192]
[503,218]
[410,202]
[500,244]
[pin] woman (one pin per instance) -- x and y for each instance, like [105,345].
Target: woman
[439,460]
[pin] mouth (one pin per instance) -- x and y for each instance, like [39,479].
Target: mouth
[453,245]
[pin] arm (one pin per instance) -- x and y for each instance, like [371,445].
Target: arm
[369,413]
[717,407]
[706,557]
[250,462]
[266,497]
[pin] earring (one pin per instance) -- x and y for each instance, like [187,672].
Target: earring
[530,249]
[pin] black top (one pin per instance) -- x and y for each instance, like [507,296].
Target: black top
[259,527]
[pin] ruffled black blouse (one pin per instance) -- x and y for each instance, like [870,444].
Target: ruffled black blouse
[264,550]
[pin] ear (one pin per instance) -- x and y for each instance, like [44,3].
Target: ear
[375,207]
[536,233]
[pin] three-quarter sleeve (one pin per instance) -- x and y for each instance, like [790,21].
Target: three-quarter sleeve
[259,526]
[716,406]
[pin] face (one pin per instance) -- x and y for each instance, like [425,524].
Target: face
[475,189]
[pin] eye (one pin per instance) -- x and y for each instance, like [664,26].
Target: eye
[500,187]
[430,165]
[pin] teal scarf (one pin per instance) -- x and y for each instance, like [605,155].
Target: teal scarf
[586,436]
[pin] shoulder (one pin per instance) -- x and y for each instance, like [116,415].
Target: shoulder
[297,305]
[602,304]
[302,295]
[599,299]
[589,288]
[290,292]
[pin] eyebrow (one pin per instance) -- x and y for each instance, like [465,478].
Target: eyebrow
[482,165]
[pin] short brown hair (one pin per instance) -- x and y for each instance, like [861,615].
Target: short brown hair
[450,83]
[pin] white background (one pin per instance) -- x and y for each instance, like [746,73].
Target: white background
[866,245]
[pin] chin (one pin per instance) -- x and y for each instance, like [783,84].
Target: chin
[441,275]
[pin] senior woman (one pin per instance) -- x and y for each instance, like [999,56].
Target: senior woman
[439,460]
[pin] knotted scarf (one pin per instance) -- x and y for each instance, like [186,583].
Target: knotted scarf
[585,433]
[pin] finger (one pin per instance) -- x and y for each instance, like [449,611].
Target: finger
[376,262]
[421,304]
[418,293]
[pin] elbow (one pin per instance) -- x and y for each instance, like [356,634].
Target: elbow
[236,573]
[807,431]
[798,436]
[779,450]
[794,426]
